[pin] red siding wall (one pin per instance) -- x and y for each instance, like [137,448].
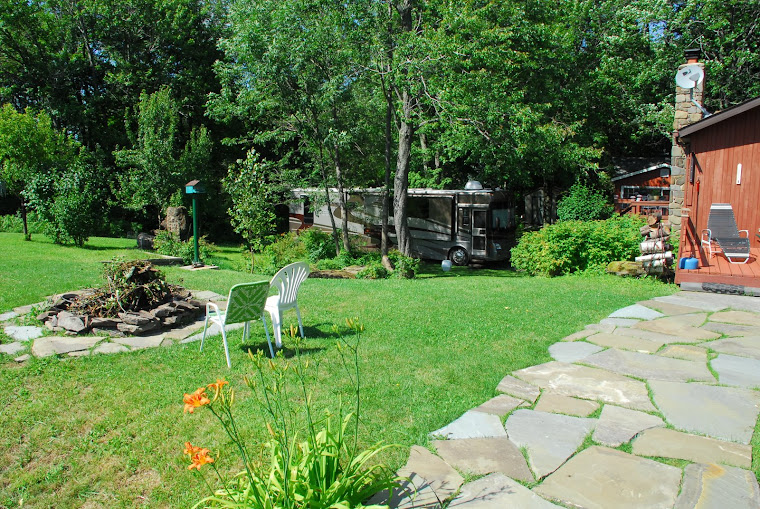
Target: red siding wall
[715,152]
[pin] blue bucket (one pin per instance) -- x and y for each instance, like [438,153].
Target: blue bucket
[691,264]
[682,262]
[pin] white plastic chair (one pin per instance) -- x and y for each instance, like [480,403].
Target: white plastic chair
[245,303]
[286,281]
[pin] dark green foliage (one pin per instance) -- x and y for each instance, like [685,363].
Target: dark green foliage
[318,244]
[281,251]
[374,270]
[166,243]
[405,267]
[571,246]
[583,203]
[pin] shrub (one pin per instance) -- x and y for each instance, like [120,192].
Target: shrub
[583,204]
[281,251]
[406,267]
[374,270]
[167,243]
[319,245]
[13,224]
[571,246]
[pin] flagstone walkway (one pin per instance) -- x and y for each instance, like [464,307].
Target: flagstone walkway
[653,407]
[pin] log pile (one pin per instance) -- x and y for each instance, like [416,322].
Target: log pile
[656,250]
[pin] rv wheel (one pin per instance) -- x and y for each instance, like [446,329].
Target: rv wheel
[459,256]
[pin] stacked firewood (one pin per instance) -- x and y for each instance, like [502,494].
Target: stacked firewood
[656,250]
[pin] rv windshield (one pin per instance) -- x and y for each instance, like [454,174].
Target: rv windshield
[501,219]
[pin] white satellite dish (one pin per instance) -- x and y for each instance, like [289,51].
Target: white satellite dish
[690,76]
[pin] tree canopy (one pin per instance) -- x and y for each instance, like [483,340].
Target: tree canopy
[516,94]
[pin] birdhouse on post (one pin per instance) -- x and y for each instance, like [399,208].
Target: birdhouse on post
[194,187]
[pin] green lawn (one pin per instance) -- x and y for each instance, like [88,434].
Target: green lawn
[108,431]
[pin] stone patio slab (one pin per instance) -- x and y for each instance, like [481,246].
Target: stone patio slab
[52,345]
[589,383]
[747,346]
[23,333]
[185,331]
[549,438]
[655,336]
[581,334]
[207,295]
[436,473]
[680,300]
[23,358]
[623,342]
[619,425]
[619,322]
[471,425]
[140,342]
[637,311]
[108,348]
[482,456]
[737,318]
[500,405]
[602,478]
[600,327]
[718,487]
[668,326]
[572,352]
[8,315]
[25,310]
[413,492]
[686,352]
[669,443]
[12,348]
[519,388]
[650,367]
[498,491]
[730,329]
[669,309]
[728,413]
[558,404]
[738,371]
[740,302]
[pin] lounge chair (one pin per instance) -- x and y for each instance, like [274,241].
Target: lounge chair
[287,282]
[723,234]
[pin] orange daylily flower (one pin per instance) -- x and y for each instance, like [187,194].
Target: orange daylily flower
[217,387]
[190,449]
[196,399]
[199,459]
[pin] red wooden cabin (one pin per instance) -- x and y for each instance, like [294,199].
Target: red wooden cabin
[644,192]
[722,166]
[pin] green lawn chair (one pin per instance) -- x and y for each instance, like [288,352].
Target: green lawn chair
[245,303]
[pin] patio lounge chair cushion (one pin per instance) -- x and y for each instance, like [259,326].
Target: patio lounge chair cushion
[722,230]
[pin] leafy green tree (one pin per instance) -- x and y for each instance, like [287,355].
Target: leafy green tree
[583,203]
[156,168]
[33,154]
[254,197]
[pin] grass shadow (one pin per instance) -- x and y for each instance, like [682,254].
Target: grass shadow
[501,269]
[286,352]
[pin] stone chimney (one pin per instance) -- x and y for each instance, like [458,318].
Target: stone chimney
[686,112]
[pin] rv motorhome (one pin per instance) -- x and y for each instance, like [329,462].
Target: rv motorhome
[462,225]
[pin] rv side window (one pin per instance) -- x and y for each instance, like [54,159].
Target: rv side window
[479,219]
[308,214]
[500,219]
[464,220]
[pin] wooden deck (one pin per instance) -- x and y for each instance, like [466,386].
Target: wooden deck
[719,271]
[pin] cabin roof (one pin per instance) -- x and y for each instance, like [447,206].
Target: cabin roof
[719,117]
[645,170]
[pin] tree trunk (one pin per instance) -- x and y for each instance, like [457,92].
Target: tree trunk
[405,133]
[342,200]
[27,235]
[329,203]
[401,180]
[384,238]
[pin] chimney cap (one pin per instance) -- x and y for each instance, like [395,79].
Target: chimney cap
[692,55]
